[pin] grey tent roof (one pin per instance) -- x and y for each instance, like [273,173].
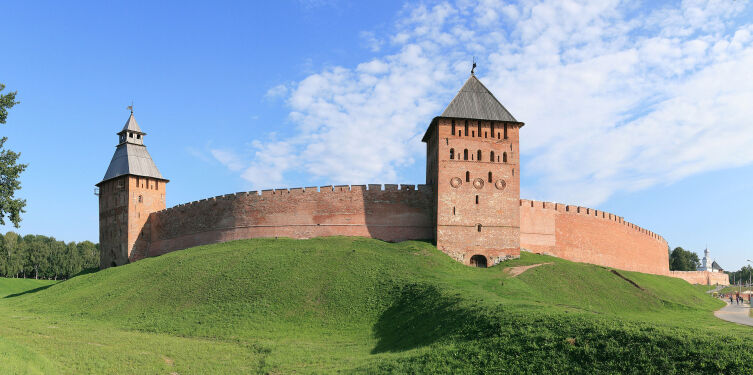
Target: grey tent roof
[716,266]
[475,101]
[131,156]
[134,160]
[132,125]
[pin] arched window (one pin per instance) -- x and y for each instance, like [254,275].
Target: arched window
[452,153]
[490,176]
[466,127]
[491,156]
[460,133]
[465,154]
[505,130]
[479,128]
[478,155]
[453,127]
[504,157]
[467,176]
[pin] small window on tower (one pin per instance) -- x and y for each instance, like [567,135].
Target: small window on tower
[452,153]
[476,199]
[130,135]
[504,157]
[490,176]
[491,156]
[138,136]
[505,130]
[465,154]
[467,176]
[141,199]
[473,133]
[466,127]
[478,227]
[478,155]
[453,127]
[479,128]
[492,128]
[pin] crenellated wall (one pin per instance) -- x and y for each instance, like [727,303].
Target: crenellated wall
[702,277]
[402,212]
[390,213]
[586,235]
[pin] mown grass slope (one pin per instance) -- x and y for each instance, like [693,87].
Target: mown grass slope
[362,305]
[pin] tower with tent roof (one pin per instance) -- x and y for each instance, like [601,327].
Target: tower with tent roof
[472,164]
[131,189]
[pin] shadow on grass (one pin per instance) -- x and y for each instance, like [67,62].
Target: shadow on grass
[421,315]
[28,291]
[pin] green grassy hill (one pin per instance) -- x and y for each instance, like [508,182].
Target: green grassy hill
[361,305]
[12,287]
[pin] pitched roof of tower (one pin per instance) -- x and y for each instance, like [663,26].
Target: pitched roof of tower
[132,125]
[131,158]
[475,101]
[134,160]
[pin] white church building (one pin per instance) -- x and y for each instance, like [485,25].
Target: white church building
[707,264]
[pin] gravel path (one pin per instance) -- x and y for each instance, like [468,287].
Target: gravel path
[735,313]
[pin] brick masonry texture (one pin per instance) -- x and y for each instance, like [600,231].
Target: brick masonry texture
[702,277]
[591,236]
[390,213]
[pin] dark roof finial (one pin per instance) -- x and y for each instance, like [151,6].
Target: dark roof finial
[474,65]
[130,107]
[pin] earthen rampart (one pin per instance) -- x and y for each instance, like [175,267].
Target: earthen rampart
[702,277]
[583,234]
[389,212]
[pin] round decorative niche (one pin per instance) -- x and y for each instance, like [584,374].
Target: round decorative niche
[478,183]
[456,182]
[500,184]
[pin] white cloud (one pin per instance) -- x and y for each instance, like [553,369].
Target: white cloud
[614,97]
[278,91]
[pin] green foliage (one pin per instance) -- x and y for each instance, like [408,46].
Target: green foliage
[10,170]
[43,257]
[744,276]
[683,260]
[359,305]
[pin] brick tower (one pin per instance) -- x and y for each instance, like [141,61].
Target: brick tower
[472,163]
[131,189]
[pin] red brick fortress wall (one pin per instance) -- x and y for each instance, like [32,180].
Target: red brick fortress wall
[391,213]
[702,277]
[591,236]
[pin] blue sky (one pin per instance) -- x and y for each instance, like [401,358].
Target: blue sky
[640,109]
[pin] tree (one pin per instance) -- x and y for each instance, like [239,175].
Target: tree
[10,170]
[683,260]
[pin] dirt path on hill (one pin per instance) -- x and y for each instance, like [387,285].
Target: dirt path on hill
[515,271]
[735,313]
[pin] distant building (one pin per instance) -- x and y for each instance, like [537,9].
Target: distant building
[708,264]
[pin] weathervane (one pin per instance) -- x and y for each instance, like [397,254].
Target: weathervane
[130,107]
[474,65]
